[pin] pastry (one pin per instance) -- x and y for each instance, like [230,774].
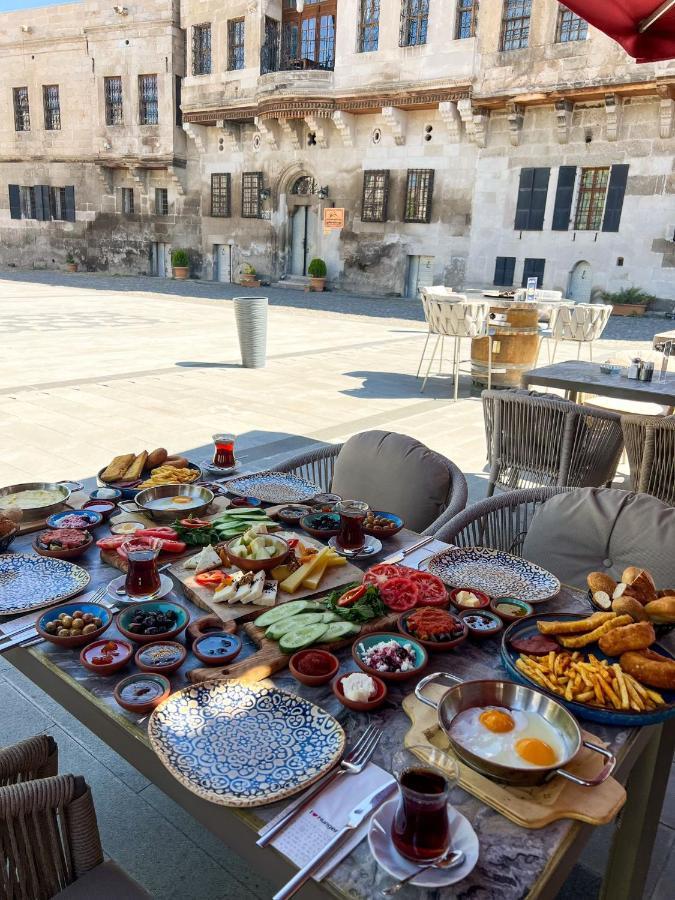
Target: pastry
[661,610]
[135,470]
[583,640]
[577,626]
[637,636]
[649,667]
[629,606]
[600,581]
[117,467]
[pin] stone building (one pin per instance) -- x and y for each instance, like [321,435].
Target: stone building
[471,144]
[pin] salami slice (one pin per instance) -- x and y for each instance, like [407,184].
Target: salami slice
[537,645]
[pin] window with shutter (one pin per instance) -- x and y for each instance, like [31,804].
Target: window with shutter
[533,268]
[69,200]
[532,192]
[562,210]
[42,210]
[615,194]
[14,201]
[504,268]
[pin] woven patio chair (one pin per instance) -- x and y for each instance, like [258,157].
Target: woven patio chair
[541,440]
[50,844]
[391,472]
[432,298]
[581,324]
[38,757]
[650,445]
[457,320]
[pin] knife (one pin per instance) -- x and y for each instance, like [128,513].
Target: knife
[401,554]
[356,817]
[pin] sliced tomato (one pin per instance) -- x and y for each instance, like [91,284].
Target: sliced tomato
[400,593]
[112,543]
[381,573]
[293,543]
[195,523]
[173,546]
[161,531]
[432,590]
[351,596]
[212,579]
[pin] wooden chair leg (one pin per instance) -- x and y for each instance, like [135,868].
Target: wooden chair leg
[426,377]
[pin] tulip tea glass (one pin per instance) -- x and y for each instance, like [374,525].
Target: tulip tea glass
[352,516]
[142,575]
[223,456]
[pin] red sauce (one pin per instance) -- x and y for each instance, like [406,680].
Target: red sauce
[313,664]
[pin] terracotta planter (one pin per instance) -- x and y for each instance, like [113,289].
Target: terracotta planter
[180,273]
[71,267]
[317,284]
[630,309]
[249,281]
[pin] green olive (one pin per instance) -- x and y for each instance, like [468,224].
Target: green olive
[77,625]
[89,628]
[64,632]
[67,621]
[51,627]
[78,614]
[98,622]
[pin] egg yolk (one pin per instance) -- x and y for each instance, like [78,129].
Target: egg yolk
[496,721]
[535,752]
[181,500]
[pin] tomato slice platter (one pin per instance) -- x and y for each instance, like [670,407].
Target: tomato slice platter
[402,588]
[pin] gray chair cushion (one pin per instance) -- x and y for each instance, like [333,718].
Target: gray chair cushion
[394,473]
[104,882]
[603,530]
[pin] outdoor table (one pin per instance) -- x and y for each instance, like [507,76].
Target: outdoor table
[576,376]
[663,337]
[513,862]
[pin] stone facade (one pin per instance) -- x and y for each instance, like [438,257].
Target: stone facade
[462,108]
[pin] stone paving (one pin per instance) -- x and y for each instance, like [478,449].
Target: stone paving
[95,366]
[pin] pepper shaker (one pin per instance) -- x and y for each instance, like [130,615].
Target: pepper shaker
[634,369]
[646,371]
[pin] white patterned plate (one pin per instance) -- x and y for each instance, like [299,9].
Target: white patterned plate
[33,582]
[273,487]
[494,572]
[244,745]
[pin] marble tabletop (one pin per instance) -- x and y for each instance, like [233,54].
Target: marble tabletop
[511,859]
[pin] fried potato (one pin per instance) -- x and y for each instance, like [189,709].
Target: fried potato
[583,640]
[169,475]
[576,626]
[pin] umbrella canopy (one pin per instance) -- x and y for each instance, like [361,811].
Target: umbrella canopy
[644,28]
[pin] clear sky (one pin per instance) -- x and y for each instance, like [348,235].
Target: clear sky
[8,5]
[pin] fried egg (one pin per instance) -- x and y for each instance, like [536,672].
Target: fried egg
[511,737]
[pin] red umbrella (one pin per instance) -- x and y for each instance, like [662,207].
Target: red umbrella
[644,28]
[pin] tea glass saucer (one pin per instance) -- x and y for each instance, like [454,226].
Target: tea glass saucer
[371,546]
[122,600]
[210,466]
[381,846]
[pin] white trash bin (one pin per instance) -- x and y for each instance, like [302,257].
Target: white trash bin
[251,317]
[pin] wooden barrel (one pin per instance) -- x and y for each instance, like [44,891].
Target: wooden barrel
[515,347]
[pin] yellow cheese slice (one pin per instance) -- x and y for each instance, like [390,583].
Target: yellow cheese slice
[314,580]
[294,581]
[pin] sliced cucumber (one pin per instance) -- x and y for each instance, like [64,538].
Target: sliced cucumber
[302,637]
[281,612]
[329,617]
[338,630]
[276,629]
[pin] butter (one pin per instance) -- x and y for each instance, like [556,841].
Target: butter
[358,688]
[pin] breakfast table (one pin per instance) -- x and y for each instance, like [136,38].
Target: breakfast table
[580,377]
[513,862]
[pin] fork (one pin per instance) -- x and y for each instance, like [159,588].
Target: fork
[28,631]
[351,764]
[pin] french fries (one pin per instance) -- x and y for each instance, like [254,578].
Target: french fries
[594,681]
[170,475]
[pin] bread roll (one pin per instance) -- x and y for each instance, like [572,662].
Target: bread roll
[156,458]
[178,462]
[661,611]
[640,583]
[631,607]
[600,581]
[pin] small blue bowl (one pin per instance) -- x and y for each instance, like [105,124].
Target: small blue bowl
[125,618]
[90,519]
[366,642]
[311,524]
[69,608]
[100,494]
[381,531]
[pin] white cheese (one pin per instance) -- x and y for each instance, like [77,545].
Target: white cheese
[207,559]
[269,594]
[358,688]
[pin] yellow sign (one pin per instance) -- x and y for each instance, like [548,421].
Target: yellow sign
[333,218]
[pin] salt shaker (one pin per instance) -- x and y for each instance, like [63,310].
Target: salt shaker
[634,369]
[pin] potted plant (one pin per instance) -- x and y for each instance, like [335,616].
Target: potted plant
[317,273]
[71,265]
[247,274]
[632,301]
[180,262]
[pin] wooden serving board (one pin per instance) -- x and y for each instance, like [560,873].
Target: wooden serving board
[532,807]
[270,658]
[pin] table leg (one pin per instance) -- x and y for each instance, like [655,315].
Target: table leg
[629,859]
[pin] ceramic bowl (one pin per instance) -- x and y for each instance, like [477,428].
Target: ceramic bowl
[434,646]
[311,524]
[72,553]
[293,512]
[313,680]
[258,565]
[69,608]
[7,539]
[241,502]
[381,532]
[525,609]
[217,648]
[361,706]
[144,661]
[453,594]
[89,519]
[104,507]
[421,658]
[124,654]
[123,528]
[129,691]
[112,494]
[325,502]
[494,628]
[207,625]
[124,619]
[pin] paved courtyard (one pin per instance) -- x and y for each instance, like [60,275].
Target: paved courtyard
[95,366]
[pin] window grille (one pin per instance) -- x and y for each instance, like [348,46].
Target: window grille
[516,24]
[221,195]
[571,27]
[235,44]
[414,21]
[52,105]
[369,26]
[201,49]
[591,200]
[161,202]
[375,196]
[21,109]
[113,100]
[251,185]
[27,202]
[147,98]
[269,53]
[467,14]
[57,202]
[418,195]
[305,186]
[128,201]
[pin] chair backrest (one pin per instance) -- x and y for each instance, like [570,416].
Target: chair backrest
[49,836]
[650,445]
[37,757]
[466,319]
[396,473]
[438,291]
[583,322]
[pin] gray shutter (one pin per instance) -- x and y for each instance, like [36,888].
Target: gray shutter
[538,203]
[524,199]
[562,210]
[614,202]
[14,201]
[69,213]
[42,209]
[534,268]
[504,269]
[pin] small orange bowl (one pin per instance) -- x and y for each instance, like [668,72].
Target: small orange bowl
[361,705]
[331,661]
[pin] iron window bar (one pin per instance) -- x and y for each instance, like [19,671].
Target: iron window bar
[52,106]
[113,100]
[235,44]
[269,52]
[467,15]
[515,24]
[571,27]
[251,185]
[414,22]
[201,49]
[369,26]
[161,202]
[418,195]
[21,109]
[221,195]
[375,195]
[147,98]
[593,186]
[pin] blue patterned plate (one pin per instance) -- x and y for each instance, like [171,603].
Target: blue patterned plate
[494,572]
[273,487]
[32,582]
[244,745]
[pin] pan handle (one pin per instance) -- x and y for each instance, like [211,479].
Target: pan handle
[74,485]
[135,507]
[601,777]
[435,676]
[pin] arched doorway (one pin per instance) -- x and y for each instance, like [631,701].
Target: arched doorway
[581,282]
[303,210]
